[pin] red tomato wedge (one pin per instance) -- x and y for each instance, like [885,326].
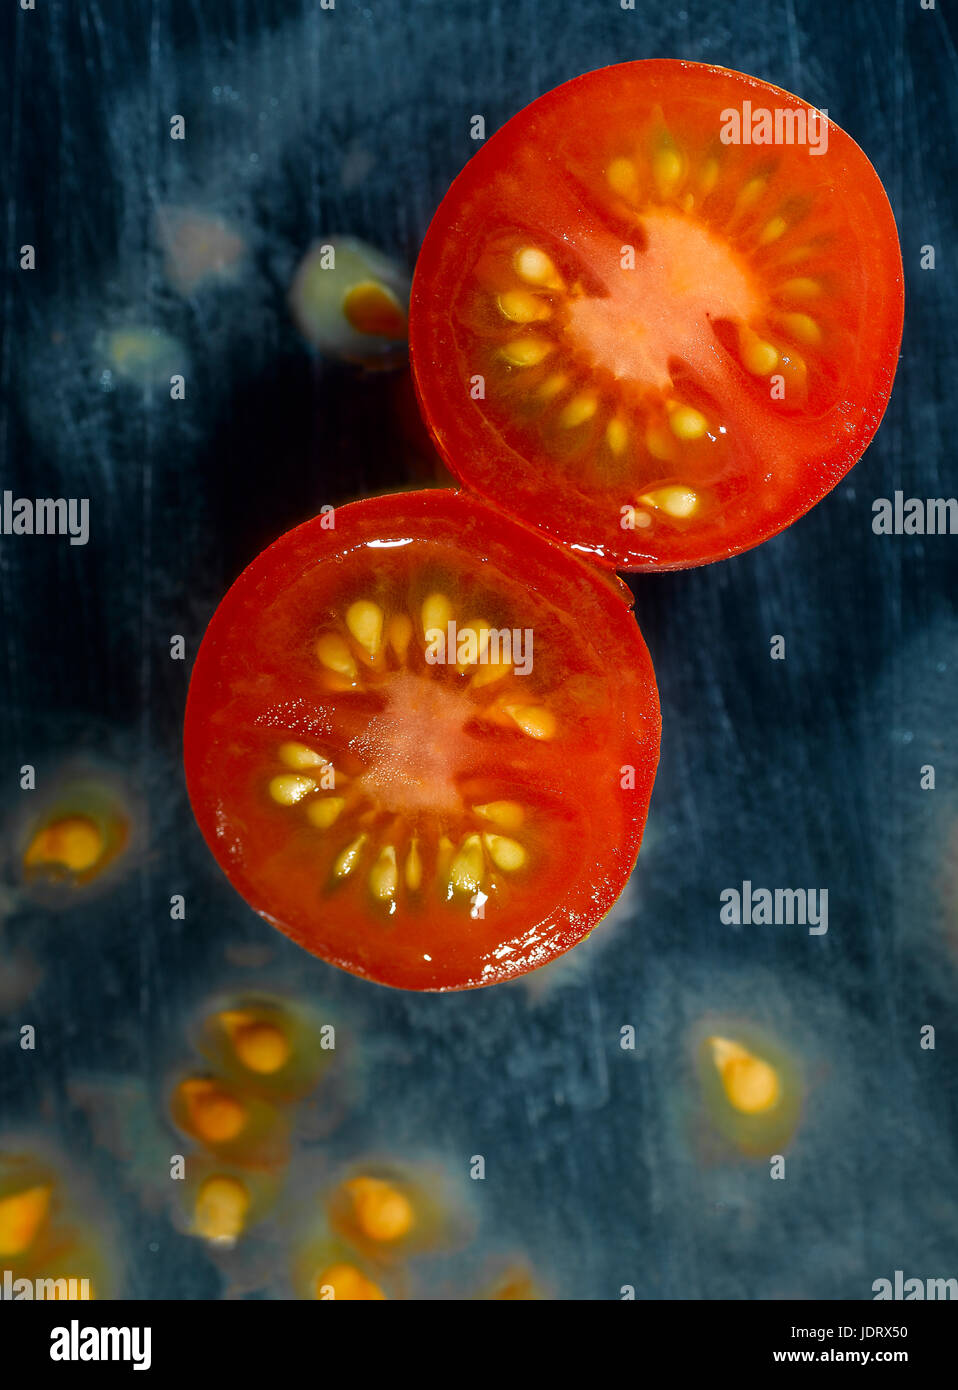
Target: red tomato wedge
[422,742]
[657,342]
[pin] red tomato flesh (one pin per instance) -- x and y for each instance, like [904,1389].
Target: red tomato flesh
[659,347]
[426,823]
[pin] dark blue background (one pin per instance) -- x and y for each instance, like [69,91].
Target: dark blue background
[802,772]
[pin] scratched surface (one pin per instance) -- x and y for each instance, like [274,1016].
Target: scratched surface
[798,772]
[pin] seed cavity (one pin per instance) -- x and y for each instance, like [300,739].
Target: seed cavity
[662,183]
[455,859]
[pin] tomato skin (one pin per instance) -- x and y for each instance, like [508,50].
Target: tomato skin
[506,177]
[226,686]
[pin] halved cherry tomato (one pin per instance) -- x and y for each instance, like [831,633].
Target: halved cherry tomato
[428,818]
[659,347]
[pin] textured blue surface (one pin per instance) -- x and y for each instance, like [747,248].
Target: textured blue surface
[803,772]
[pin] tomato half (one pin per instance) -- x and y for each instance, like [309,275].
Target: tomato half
[658,346]
[421,742]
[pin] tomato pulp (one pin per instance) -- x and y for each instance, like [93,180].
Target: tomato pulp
[421,741]
[658,314]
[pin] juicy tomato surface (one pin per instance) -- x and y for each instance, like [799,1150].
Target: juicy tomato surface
[421,742]
[658,344]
